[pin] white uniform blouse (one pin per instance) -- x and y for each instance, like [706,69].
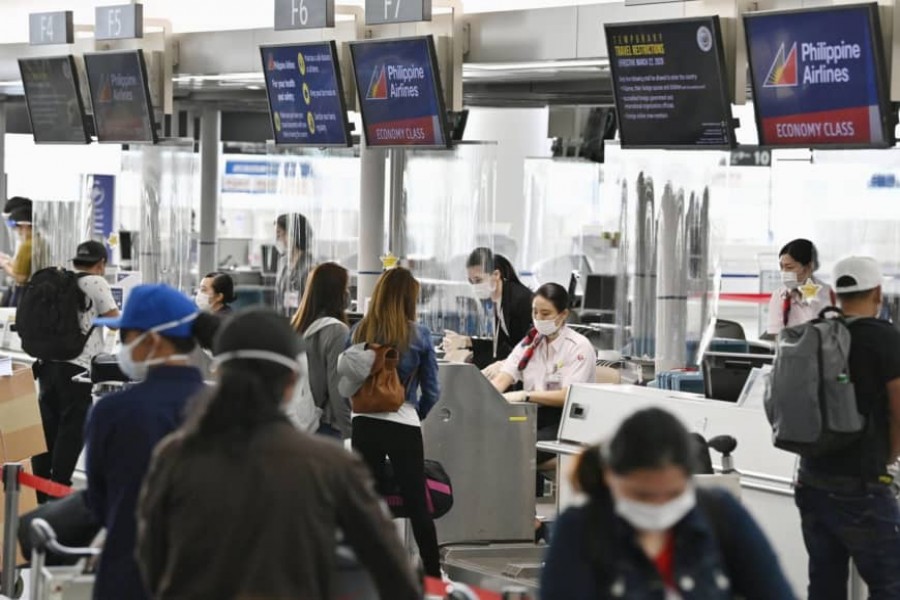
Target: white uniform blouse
[570,358]
[801,311]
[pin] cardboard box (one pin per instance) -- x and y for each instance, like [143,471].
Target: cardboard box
[21,428]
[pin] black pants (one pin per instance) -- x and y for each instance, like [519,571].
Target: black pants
[64,408]
[376,439]
[71,520]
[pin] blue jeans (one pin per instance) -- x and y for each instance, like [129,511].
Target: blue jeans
[864,526]
[329,431]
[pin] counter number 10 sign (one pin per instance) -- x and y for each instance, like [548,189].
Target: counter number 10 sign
[303,14]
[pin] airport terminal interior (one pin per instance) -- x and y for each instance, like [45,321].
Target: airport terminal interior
[664,162]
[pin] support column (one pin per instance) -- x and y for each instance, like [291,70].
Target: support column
[371,221]
[210,135]
[3,187]
[397,231]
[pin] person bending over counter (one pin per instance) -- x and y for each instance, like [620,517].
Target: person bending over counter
[216,294]
[647,532]
[802,296]
[494,279]
[550,359]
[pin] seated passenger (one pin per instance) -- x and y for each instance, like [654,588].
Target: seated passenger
[802,295]
[322,321]
[157,331]
[494,279]
[647,533]
[216,294]
[550,359]
[239,504]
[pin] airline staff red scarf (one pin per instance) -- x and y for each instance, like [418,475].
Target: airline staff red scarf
[531,343]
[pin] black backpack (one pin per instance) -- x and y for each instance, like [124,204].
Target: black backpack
[48,318]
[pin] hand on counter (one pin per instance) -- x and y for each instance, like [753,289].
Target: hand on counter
[516,397]
[454,341]
[493,370]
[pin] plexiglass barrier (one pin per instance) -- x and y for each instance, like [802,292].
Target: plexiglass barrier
[159,188]
[58,229]
[449,210]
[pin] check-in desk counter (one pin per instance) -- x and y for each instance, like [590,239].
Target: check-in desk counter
[594,412]
[487,447]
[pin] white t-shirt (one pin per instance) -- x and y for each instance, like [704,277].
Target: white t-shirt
[570,358]
[100,301]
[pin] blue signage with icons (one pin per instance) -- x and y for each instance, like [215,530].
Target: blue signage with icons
[103,198]
[306,97]
[400,92]
[818,77]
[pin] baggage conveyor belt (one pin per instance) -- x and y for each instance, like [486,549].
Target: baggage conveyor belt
[497,567]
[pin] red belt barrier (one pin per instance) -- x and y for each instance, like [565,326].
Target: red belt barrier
[51,488]
[751,298]
[436,587]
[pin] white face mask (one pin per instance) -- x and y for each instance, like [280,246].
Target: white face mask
[202,301]
[656,517]
[546,328]
[484,290]
[137,371]
[293,365]
[790,280]
[281,247]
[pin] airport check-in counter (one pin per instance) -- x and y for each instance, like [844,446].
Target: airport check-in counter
[593,413]
[487,447]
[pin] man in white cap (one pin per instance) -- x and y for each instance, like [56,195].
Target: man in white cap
[846,503]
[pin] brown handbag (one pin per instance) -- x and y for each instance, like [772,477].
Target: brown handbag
[382,390]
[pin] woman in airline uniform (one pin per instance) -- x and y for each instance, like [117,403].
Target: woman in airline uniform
[801,296]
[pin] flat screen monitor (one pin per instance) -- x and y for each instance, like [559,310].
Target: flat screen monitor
[53,96]
[670,85]
[818,77]
[400,93]
[120,96]
[306,95]
[599,293]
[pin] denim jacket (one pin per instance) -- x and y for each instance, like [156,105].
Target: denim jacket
[418,369]
[700,567]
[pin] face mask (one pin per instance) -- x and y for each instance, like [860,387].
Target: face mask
[483,290]
[790,280]
[656,517]
[137,371]
[546,328]
[281,247]
[202,301]
[293,365]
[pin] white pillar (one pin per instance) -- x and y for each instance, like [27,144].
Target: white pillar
[371,221]
[210,134]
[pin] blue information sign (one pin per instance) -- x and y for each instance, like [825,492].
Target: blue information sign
[400,92]
[818,77]
[120,97]
[306,98]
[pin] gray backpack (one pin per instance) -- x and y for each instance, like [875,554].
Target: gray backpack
[810,399]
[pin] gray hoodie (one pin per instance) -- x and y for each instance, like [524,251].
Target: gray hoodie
[325,339]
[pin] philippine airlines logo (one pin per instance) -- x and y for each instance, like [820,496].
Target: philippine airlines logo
[783,72]
[378,87]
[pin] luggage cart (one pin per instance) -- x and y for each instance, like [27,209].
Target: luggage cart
[58,583]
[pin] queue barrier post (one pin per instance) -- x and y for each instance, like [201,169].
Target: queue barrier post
[12,491]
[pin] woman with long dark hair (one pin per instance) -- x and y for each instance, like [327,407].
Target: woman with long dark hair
[494,280]
[240,504]
[293,243]
[647,533]
[391,321]
[322,321]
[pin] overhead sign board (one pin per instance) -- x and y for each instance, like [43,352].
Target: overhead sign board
[55,105]
[303,14]
[819,77]
[122,22]
[670,84]
[51,28]
[306,99]
[383,12]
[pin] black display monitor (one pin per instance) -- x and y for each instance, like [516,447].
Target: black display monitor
[120,96]
[819,78]
[670,84]
[306,94]
[55,104]
[400,94]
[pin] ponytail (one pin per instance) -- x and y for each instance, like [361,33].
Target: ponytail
[588,476]
[249,394]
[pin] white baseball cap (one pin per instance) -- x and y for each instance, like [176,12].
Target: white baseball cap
[857,274]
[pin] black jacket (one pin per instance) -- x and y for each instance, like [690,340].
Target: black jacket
[516,308]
